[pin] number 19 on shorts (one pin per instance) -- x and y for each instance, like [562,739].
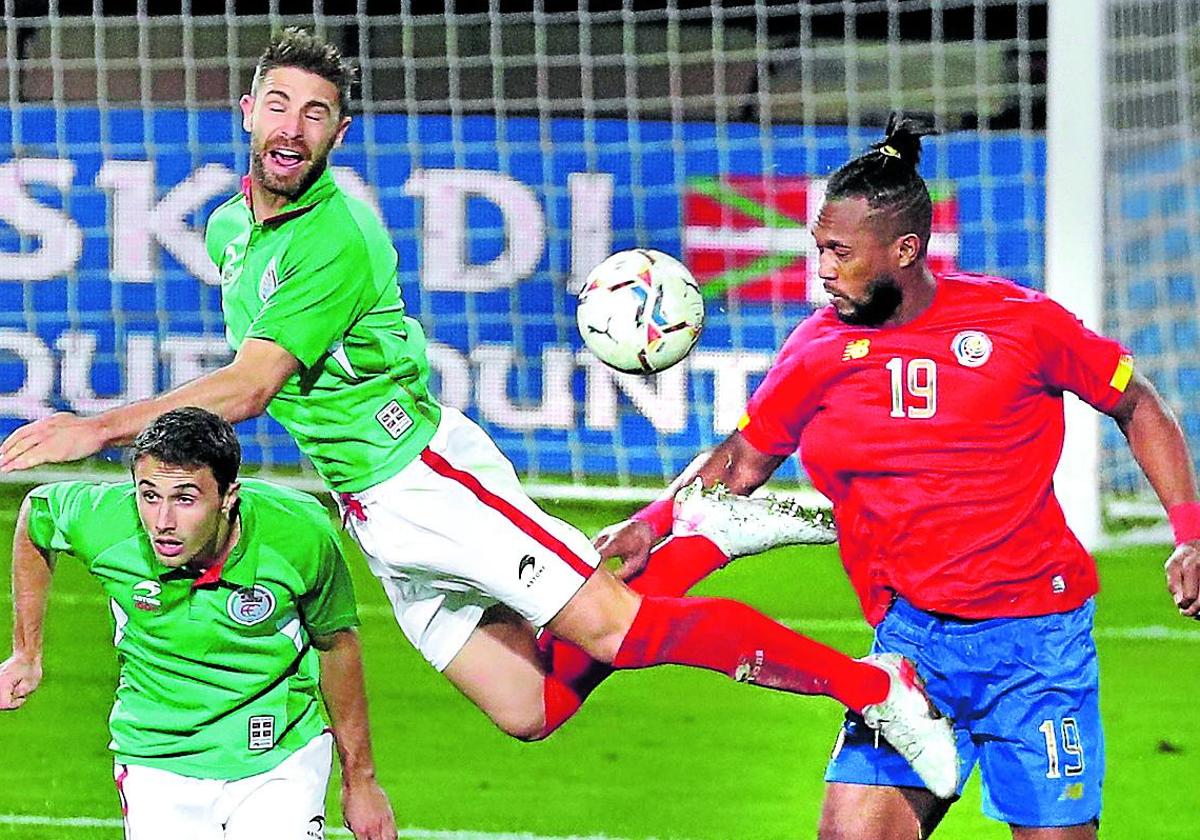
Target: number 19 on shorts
[1070,745]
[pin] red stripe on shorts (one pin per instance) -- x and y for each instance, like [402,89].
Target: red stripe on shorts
[120,780]
[443,468]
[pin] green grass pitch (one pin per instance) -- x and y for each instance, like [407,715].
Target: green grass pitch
[667,753]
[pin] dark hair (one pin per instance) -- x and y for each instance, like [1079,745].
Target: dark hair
[295,47]
[887,177]
[192,437]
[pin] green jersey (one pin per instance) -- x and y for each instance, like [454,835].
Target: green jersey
[217,680]
[319,280]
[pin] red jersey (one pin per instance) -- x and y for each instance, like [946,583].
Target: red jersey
[937,442]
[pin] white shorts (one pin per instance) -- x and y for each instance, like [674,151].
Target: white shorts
[453,533]
[285,802]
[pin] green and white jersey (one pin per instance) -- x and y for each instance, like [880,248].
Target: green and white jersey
[217,680]
[319,279]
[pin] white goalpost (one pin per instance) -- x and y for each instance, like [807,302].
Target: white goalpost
[1075,227]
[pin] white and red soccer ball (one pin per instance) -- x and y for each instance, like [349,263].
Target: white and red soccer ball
[640,311]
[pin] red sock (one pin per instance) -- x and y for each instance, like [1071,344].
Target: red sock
[559,703]
[676,565]
[742,643]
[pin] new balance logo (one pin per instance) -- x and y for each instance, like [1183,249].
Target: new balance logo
[857,348]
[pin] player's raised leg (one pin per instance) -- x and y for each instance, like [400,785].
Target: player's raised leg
[711,527]
[499,669]
[444,578]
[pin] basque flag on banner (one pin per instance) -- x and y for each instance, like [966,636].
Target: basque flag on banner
[747,237]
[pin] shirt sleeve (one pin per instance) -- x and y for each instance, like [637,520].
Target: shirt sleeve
[1073,358]
[318,295]
[57,515]
[329,605]
[785,401]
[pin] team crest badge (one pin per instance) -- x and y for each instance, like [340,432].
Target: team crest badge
[250,604]
[269,281]
[972,348]
[856,349]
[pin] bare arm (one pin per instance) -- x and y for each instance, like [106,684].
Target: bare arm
[738,465]
[21,673]
[734,463]
[237,391]
[1161,451]
[365,806]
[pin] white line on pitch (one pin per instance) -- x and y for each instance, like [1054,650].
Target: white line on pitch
[404,833]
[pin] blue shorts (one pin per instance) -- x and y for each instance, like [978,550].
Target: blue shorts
[1024,695]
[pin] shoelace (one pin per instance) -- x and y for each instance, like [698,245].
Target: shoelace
[785,505]
[790,506]
[902,741]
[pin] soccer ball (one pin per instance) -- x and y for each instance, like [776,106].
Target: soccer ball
[640,311]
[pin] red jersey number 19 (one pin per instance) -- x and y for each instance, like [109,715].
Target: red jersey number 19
[914,388]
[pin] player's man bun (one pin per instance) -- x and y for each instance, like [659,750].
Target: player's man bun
[902,137]
[886,176]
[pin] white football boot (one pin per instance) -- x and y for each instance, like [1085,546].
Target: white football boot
[741,525]
[914,727]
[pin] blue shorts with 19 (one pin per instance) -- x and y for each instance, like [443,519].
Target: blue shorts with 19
[1024,695]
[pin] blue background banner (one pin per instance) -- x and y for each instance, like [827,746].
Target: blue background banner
[103,295]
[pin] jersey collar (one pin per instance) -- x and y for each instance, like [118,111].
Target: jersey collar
[321,189]
[239,568]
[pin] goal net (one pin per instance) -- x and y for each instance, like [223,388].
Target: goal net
[1152,228]
[510,146]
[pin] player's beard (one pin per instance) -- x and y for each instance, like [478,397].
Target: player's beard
[289,187]
[880,303]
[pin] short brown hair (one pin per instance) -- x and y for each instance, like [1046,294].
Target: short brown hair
[296,47]
[191,438]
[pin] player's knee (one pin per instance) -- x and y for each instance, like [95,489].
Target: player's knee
[523,727]
[597,619]
[528,732]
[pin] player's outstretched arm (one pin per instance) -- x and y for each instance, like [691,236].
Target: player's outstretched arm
[365,806]
[1161,450]
[21,673]
[237,391]
[734,463]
